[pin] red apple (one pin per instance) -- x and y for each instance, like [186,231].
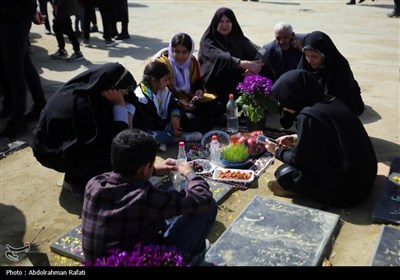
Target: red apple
[242,140]
[251,142]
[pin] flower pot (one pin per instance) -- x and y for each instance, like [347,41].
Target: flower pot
[252,126]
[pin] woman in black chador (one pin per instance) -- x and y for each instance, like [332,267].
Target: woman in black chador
[76,127]
[331,159]
[332,70]
[225,55]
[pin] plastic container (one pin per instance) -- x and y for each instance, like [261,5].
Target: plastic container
[232,122]
[215,151]
[178,180]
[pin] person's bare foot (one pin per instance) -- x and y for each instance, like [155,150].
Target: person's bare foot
[277,190]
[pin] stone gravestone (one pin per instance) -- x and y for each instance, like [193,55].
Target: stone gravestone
[387,208]
[388,249]
[273,233]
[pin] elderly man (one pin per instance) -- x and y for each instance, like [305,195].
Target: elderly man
[284,53]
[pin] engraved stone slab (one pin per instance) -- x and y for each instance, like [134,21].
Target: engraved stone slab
[274,233]
[388,249]
[387,208]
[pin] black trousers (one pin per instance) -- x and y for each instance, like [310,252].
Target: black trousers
[104,9]
[13,52]
[63,26]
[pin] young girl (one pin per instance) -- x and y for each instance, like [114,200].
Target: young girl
[157,111]
[186,84]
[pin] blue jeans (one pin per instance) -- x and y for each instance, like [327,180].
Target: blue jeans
[189,232]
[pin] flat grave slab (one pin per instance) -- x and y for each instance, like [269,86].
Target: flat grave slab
[387,207]
[273,233]
[388,249]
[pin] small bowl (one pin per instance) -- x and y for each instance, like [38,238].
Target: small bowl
[223,138]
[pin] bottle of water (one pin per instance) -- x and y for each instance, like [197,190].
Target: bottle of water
[178,180]
[232,116]
[215,152]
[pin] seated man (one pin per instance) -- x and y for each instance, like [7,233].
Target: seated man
[283,54]
[122,208]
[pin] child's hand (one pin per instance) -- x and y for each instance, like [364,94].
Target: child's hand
[176,126]
[162,168]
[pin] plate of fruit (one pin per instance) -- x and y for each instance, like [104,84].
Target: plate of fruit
[196,151]
[255,149]
[202,166]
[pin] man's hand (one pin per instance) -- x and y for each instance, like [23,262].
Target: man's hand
[38,18]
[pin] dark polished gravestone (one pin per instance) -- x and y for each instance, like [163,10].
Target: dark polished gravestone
[387,208]
[388,249]
[274,233]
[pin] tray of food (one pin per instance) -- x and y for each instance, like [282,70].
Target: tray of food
[202,166]
[196,151]
[233,175]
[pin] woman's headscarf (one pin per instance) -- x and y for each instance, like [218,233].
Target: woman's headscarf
[181,71]
[103,77]
[335,76]
[217,38]
[297,89]
[77,118]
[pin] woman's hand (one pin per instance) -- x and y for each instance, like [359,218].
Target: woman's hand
[271,146]
[252,66]
[176,126]
[115,96]
[287,141]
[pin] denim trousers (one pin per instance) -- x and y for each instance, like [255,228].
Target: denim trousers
[189,232]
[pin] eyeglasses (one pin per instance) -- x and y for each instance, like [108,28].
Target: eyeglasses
[124,91]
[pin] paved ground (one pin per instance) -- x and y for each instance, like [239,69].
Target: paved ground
[33,206]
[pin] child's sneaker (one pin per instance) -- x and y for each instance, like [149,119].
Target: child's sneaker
[190,137]
[85,43]
[162,147]
[76,56]
[59,54]
[110,43]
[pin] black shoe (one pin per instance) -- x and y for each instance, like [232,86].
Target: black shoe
[351,2]
[94,29]
[360,1]
[393,14]
[122,37]
[4,114]
[14,127]
[34,113]
[74,185]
